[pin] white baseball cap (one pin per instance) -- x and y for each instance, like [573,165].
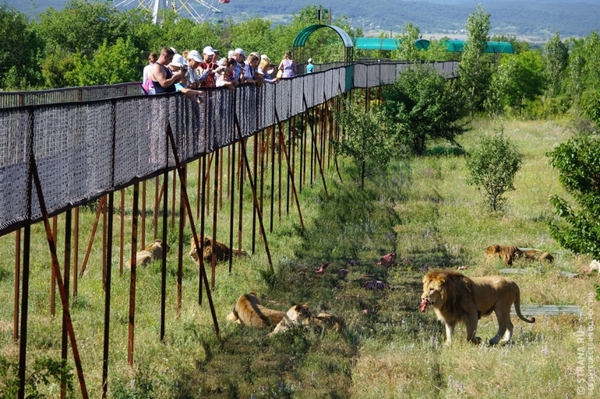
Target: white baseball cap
[208,50]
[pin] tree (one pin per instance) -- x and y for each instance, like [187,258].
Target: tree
[110,64]
[407,50]
[492,167]
[365,139]
[422,106]
[19,49]
[83,25]
[578,163]
[475,70]
[556,59]
[583,71]
[520,78]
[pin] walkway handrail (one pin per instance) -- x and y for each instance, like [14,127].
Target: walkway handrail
[10,99]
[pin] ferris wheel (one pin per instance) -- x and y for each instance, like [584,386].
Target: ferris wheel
[198,10]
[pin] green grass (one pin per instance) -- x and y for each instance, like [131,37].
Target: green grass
[422,209]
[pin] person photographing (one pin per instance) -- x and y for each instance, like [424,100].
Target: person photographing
[162,77]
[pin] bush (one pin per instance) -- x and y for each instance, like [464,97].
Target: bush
[492,167]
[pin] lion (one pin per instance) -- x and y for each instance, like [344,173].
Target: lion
[297,315]
[509,253]
[457,298]
[504,252]
[248,311]
[149,254]
[222,251]
[536,254]
[300,315]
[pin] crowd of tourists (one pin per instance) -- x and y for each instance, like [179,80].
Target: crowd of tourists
[190,71]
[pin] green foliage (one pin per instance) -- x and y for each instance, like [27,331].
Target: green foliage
[520,78]
[583,71]
[255,34]
[365,139]
[82,25]
[43,372]
[578,162]
[492,167]
[407,50]
[56,66]
[19,49]
[474,69]
[556,57]
[423,106]
[109,65]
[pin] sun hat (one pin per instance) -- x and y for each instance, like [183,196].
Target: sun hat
[177,61]
[208,50]
[240,52]
[195,55]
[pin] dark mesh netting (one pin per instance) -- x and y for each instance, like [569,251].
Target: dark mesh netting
[283,99]
[14,166]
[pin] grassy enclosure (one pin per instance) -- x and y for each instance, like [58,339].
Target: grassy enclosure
[421,208]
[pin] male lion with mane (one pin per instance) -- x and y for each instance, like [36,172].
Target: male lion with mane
[457,298]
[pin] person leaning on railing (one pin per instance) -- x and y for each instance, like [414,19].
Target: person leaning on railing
[162,77]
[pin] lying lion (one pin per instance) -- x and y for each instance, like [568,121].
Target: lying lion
[149,254]
[509,253]
[299,315]
[249,312]
[222,251]
[457,298]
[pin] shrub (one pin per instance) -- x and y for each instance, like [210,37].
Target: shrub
[492,167]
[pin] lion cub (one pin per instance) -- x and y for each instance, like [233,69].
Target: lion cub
[149,254]
[222,251]
[457,298]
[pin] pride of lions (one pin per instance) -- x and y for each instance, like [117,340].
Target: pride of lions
[454,297]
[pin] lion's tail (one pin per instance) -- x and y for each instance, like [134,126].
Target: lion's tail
[518,309]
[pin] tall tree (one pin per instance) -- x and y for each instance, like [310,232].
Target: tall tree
[83,25]
[365,140]
[19,49]
[475,69]
[109,65]
[556,59]
[583,72]
[422,106]
[407,50]
[520,78]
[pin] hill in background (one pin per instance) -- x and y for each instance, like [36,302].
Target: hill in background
[534,20]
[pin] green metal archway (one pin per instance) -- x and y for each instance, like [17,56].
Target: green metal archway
[301,38]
